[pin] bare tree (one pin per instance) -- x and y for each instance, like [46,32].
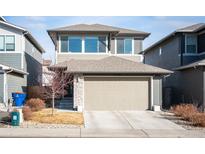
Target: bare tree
[56,82]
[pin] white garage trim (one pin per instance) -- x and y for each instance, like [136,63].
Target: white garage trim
[151,93]
[150,87]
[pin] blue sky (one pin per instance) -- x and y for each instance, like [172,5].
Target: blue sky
[158,26]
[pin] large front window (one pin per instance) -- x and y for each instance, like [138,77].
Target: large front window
[191,44]
[95,44]
[71,44]
[75,44]
[124,45]
[87,44]
[7,43]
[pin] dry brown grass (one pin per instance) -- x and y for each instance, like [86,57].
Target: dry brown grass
[45,116]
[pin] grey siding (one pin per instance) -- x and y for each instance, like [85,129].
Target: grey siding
[16,83]
[137,46]
[191,86]
[157,91]
[32,63]
[201,44]
[190,59]
[112,48]
[169,57]
[11,59]
[1,87]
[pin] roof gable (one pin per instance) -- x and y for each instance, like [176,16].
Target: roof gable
[26,33]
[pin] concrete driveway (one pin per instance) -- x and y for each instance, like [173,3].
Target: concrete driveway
[127,120]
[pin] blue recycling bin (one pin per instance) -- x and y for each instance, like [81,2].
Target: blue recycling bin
[19,98]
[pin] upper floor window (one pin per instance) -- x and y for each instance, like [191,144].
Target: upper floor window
[191,44]
[75,44]
[87,44]
[124,46]
[95,44]
[71,44]
[7,43]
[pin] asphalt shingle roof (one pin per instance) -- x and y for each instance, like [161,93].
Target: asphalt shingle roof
[97,28]
[192,28]
[111,64]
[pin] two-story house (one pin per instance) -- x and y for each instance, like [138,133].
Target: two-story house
[20,60]
[182,51]
[107,68]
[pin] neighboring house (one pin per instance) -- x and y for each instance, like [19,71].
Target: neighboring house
[107,67]
[20,60]
[183,52]
[45,72]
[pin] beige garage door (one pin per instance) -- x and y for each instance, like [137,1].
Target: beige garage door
[116,93]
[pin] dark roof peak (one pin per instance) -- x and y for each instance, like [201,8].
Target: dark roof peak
[192,28]
[188,29]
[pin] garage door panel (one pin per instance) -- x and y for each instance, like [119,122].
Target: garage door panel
[116,93]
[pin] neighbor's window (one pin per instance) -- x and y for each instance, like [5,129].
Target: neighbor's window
[7,43]
[2,40]
[95,44]
[10,43]
[124,45]
[75,44]
[191,43]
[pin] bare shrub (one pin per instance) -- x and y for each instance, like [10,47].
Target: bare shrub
[35,104]
[27,113]
[198,119]
[186,111]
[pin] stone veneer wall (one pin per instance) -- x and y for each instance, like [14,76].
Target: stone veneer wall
[78,91]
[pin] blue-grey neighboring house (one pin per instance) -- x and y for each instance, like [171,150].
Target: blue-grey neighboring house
[182,51]
[20,60]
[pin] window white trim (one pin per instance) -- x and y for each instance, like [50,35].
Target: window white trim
[132,52]
[83,44]
[59,44]
[160,51]
[152,93]
[5,98]
[186,43]
[15,43]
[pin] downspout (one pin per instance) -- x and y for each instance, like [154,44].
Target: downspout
[203,89]
[6,87]
[109,41]
[181,53]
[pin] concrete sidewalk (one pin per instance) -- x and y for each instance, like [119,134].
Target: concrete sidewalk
[110,133]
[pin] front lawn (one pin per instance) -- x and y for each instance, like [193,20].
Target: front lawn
[59,117]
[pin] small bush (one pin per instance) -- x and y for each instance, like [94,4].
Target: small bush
[35,104]
[198,119]
[186,111]
[27,113]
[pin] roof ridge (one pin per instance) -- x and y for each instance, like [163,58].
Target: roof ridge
[67,26]
[117,28]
